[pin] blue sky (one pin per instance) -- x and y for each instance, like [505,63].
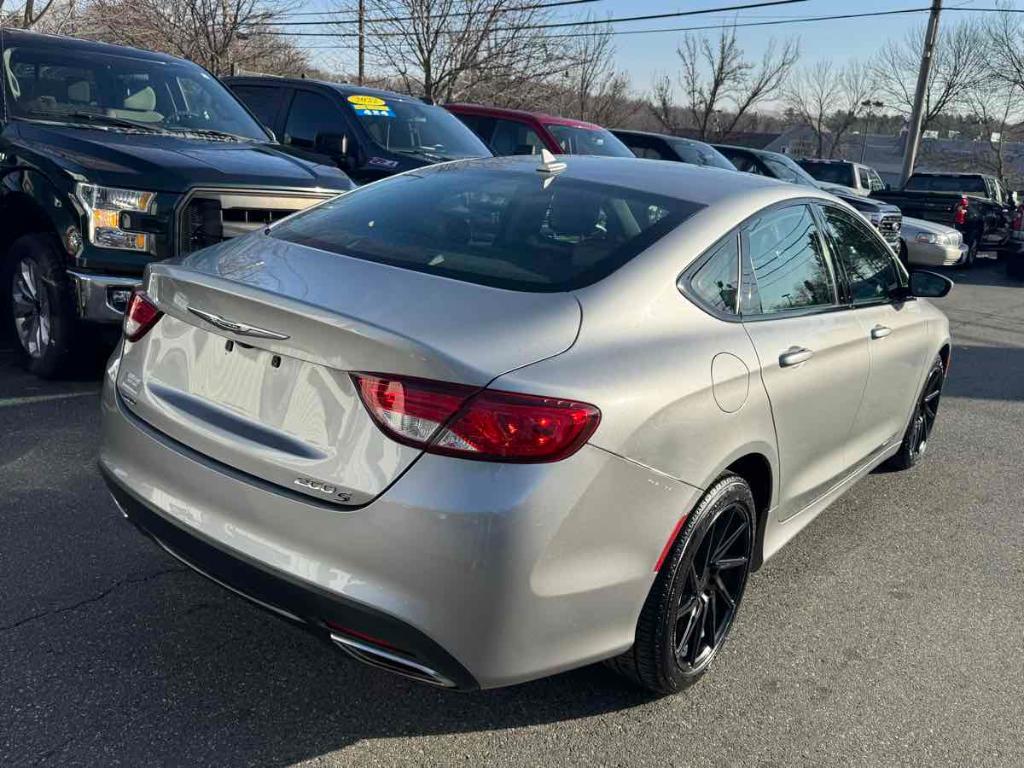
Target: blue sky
[644,56]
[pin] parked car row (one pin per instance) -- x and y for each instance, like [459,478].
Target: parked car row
[483,419]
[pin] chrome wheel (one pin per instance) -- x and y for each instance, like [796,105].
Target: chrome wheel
[31,308]
[927,412]
[714,583]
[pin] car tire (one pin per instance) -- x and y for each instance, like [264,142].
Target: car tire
[922,420]
[690,609]
[38,306]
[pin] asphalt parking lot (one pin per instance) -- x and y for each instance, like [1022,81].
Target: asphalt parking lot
[890,632]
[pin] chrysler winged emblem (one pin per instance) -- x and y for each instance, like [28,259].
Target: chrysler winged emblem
[242,329]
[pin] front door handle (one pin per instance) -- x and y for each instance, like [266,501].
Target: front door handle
[880,332]
[795,356]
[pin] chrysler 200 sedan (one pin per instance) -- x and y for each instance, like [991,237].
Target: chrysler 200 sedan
[490,420]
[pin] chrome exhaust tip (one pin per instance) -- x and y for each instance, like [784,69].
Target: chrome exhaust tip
[391,662]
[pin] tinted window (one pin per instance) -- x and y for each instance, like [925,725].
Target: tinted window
[506,228]
[588,141]
[785,169]
[261,99]
[715,282]
[309,115]
[482,126]
[742,161]
[649,148]
[830,173]
[515,138]
[702,154]
[869,268]
[789,264]
[942,183]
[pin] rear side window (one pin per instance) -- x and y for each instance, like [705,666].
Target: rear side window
[943,183]
[830,173]
[869,268]
[311,114]
[716,281]
[261,99]
[514,138]
[505,228]
[788,261]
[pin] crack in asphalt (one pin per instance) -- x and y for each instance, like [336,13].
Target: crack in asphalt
[94,599]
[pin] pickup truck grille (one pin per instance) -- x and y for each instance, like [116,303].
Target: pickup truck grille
[889,227]
[210,216]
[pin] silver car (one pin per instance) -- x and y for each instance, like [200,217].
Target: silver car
[487,421]
[925,243]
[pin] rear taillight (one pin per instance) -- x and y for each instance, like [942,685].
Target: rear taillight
[140,316]
[456,420]
[960,215]
[1018,220]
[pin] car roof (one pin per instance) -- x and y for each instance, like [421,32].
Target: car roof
[345,89]
[66,42]
[823,161]
[543,117]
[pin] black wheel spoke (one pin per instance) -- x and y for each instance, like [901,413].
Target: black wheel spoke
[724,592]
[687,606]
[729,562]
[729,541]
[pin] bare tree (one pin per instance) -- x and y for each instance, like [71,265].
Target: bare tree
[829,100]
[958,66]
[720,86]
[590,87]
[452,49]
[218,34]
[28,16]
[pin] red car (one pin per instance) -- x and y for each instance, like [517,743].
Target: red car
[514,132]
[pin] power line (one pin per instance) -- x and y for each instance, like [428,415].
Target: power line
[529,7]
[790,20]
[555,25]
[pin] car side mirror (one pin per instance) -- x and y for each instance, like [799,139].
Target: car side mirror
[929,285]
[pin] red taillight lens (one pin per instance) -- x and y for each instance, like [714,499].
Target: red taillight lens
[456,420]
[1018,220]
[140,316]
[960,217]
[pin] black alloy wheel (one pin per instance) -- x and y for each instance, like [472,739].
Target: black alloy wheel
[922,421]
[693,602]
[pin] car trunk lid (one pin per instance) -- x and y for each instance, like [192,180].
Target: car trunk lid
[250,364]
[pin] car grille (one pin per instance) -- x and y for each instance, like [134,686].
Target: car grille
[210,216]
[889,227]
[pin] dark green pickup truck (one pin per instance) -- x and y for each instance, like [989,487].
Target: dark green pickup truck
[111,158]
[974,203]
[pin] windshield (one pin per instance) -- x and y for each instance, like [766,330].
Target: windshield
[785,169]
[830,173]
[505,228]
[702,154]
[587,141]
[941,183]
[121,91]
[415,128]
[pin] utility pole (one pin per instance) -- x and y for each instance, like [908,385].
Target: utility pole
[917,116]
[362,41]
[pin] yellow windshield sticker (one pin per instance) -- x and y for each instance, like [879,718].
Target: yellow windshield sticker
[367,101]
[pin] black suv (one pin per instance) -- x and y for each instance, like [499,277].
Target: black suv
[112,158]
[366,132]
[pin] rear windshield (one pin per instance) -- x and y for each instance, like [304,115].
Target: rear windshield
[499,227]
[702,154]
[831,173]
[588,141]
[941,183]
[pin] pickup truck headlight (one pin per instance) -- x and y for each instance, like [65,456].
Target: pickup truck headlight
[104,205]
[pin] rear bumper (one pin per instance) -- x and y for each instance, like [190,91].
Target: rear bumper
[102,298]
[487,574]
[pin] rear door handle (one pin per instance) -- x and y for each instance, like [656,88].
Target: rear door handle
[795,356]
[880,332]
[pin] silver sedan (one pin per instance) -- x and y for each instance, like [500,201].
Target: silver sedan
[927,244]
[490,420]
